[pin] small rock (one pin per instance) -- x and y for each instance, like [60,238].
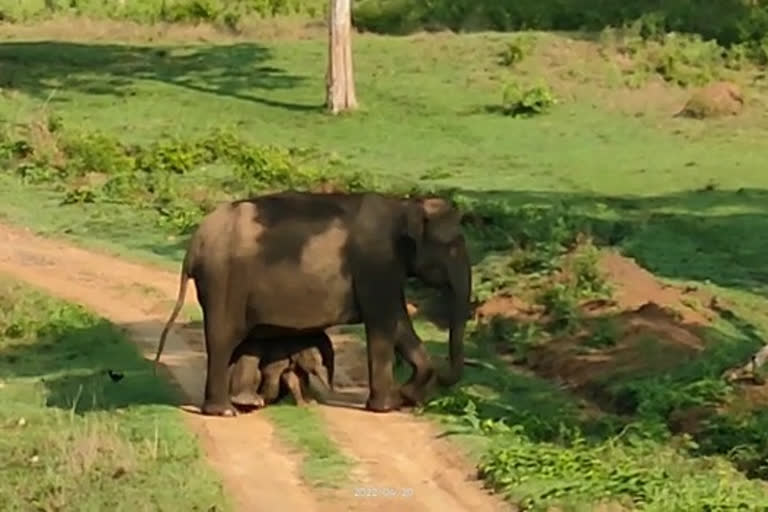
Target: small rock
[34,459]
[22,422]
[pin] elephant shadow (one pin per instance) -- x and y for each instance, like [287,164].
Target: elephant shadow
[106,390]
[86,367]
[96,368]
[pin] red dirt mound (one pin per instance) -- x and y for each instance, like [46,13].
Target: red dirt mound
[647,326]
[635,286]
[647,339]
[714,100]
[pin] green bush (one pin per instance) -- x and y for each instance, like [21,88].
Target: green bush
[727,21]
[517,101]
[681,59]
[165,175]
[567,470]
[517,49]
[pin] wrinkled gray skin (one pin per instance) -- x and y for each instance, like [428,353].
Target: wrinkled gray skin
[262,371]
[300,262]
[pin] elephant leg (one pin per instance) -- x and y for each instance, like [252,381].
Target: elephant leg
[221,337]
[245,381]
[304,386]
[412,349]
[383,396]
[270,387]
[381,302]
[291,381]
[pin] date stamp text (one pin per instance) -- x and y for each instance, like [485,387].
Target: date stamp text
[382,492]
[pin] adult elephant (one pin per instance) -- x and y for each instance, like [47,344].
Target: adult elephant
[296,261]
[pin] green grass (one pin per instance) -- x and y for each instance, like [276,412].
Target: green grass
[686,198]
[663,179]
[539,446]
[71,434]
[323,464]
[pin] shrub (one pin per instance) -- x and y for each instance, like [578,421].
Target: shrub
[681,59]
[517,49]
[164,176]
[727,21]
[517,101]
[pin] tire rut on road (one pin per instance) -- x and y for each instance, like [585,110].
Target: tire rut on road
[394,451]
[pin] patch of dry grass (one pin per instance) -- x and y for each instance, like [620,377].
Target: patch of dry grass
[86,29]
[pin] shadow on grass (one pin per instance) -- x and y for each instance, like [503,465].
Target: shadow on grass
[86,367]
[497,392]
[704,235]
[38,68]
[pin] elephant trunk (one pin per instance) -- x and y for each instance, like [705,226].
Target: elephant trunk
[460,277]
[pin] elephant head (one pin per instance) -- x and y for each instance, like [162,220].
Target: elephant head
[438,256]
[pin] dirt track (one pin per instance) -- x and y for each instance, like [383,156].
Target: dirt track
[393,450]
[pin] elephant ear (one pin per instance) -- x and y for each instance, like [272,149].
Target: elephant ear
[443,220]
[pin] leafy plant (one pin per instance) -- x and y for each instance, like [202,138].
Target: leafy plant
[604,334]
[517,49]
[517,101]
[154,175]
[681,59]
[507,335]
[561,304]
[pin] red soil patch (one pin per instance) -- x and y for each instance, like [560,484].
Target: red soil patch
[634,286]
[647,326]
[646,339]
[714,100]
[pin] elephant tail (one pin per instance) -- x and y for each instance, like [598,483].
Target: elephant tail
[183,284]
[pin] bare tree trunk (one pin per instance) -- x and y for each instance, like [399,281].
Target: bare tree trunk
[340,83]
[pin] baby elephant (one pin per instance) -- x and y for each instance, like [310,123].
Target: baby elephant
[268,368]
[283,374]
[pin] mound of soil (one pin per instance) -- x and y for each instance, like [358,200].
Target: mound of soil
[646,327]
[634,286]
[646,339]
[714,100]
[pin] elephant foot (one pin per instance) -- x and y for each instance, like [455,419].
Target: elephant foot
[415,391]
[448,378]
[248,399]
[386,403]
[214,409]
[412,395]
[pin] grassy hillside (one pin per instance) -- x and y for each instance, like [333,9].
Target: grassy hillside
[553,143]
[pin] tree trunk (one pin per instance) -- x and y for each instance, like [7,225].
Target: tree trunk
[340,83]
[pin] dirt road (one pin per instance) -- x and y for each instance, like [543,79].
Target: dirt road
[392,450]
